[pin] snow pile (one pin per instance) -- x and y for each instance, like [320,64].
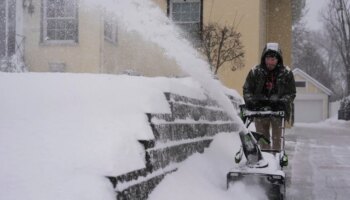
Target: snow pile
[60,134]
[330,123]
[203,176]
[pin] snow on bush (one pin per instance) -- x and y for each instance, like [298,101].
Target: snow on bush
[345,103]
[13,64]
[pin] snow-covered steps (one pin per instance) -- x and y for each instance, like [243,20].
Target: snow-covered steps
[191,109]
[188,129]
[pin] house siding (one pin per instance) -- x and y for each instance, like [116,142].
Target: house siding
[134,53]
[83,56]
[279,26]
[310,87]
[255,20]
[250,24]
[312,92]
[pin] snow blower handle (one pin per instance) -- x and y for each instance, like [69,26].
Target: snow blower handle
[268,113]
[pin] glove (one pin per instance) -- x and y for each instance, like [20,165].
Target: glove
[275,99]
[284,101]
[250,103]
[260,98]
[278,103]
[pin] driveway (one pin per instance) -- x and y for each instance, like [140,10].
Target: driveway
[319,161]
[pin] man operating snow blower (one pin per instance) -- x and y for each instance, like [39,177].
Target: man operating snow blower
[270,85]
[269,91]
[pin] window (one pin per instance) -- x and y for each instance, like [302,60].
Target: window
[187,15]
[60,20]
[300,84]
[110,29]
[7,28]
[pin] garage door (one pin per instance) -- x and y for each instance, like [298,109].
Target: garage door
[308,110]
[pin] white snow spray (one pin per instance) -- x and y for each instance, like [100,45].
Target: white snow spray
[145,18]
[149,21]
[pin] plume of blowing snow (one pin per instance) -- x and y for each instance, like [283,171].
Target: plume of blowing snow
[149,21]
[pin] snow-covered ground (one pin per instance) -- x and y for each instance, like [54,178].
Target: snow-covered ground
[319,160]
[203,176]
[61,134]
[331,123]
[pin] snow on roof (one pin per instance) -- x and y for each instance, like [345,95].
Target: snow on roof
[319,85]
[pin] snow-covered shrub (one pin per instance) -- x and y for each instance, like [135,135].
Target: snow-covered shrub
[345,104]
[13,64]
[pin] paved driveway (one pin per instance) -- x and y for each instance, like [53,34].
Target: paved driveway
[319,156]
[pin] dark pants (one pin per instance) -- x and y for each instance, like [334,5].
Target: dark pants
[263,125]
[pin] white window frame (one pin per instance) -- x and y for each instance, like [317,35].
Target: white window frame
[45,39]
[113,37]
[171,2]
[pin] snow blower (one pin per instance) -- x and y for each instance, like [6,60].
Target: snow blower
[260,167]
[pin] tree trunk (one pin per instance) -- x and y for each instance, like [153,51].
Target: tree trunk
[347,89]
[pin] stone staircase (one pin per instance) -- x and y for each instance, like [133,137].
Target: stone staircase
[188,129]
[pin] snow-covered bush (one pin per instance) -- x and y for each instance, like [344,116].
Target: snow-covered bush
[345,104]
[13,64]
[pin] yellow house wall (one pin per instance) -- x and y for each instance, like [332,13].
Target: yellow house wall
[250,19]
[133,53]
[262,21]
[311,92]
[81,57]
[310,87]
[162,4]
[143,57]
[110,58]
[279,26]
[93,54]
[256,21]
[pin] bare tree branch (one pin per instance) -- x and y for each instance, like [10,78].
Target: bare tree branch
[337,20]
[222,44]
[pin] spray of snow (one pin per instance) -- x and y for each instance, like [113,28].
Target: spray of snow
[149,21]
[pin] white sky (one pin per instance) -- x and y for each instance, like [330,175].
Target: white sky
[313,18]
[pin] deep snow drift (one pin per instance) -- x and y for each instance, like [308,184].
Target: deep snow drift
[203,176]
[60,134]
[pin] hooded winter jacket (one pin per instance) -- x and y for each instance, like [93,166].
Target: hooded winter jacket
[283,90]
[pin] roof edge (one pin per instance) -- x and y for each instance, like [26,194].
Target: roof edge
[314,81]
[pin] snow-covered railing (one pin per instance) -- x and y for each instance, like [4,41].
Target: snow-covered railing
[188,129]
